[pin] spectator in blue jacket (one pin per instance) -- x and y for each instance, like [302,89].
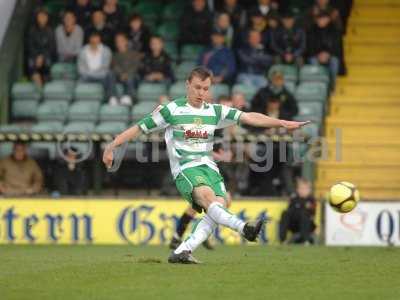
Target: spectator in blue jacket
[289,41]
[253,61]
[219,59]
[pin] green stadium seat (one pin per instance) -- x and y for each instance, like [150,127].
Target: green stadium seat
[52,111]
[14,128]
[169,31]
[311,91]
[89,92]
[314,73]
[6,148]
[248,90]
[171,49]
[173,11]
[191,52]
[25,91]
[218,90]
[47,127]
[183,69]
[311,130]
[58,90]
[21,109]
[312,111]
[151,91]
[79,127]
[290,73]
[114,113]
[63,71]
[49,147]
[142,109]
[177,90]
[110,127]
[290,86]
[84,111]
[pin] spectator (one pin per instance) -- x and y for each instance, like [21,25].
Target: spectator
[223,24]
[219,59]
[275,91]
[323,45]
[239,101]
[299,217]
[94,64]
[70,175]
[257,23]
[83,11]
[289,41]
[41,48]
[69,38]
[114,14]
[263,8]
[99,26]
[138,34]
[236,13]
[125,67]
[157,65]
[197,22]
[254,62]
[19,174]
[323,6]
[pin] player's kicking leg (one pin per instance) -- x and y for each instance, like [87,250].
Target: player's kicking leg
[183,224]
[216,214]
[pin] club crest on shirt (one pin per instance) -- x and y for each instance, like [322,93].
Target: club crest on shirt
[197,121]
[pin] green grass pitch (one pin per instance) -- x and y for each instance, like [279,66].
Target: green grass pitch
[245,272]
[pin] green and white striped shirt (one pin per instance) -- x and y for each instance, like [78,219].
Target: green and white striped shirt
[189,133]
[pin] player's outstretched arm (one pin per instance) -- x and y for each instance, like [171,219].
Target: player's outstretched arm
[127,135]
[260,120]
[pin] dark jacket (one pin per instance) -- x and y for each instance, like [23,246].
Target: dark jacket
[323,39]
[296,202]
[288,41]
[288,109]
[197,27]
[139,40]
[83,13]
[160,64]
[220,61]
[41,41]
[128,62]
[237,15]
[253,60]
[115,20]
[106,33]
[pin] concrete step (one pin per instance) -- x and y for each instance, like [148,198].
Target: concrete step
[361,90]
[374,12]
[376,111]
[363,29]
[369,82]
[343,97]
[375,3]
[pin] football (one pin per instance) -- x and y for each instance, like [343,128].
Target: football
[343,197]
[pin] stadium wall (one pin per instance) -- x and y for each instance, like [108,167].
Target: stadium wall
[107,221]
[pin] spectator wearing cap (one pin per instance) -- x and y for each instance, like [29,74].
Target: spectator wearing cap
[157,65]
[264,8]
[100,26]
[323,45]
[69,38]
[197,23]
[138,34]
[223,24]
[253,61]
[276,91]
[288,42]
[236,13]
[219,59]
[19,174]
[94,64]
[41,48]
[70,176]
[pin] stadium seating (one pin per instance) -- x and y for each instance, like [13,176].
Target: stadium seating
[63,71]
[290,73]
[182,70]
[114,113]
[58,90]
[219,89]
[80,126]
[89,91]
[169,31]
[311,91]
[312,73]
[52,111]
[110,127]
[22,109]
[84,111]
[248,91]
[25,91]
[151,91]
[141,109]
[191,52]
[178,89]
[312,111]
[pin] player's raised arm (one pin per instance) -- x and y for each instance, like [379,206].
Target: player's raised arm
[260,120]
[125,136]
